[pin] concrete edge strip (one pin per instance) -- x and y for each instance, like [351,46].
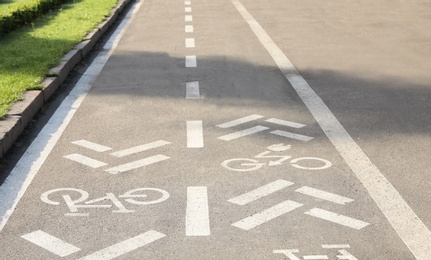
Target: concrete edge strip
[22,112]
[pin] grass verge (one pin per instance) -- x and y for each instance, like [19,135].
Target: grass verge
[28,53]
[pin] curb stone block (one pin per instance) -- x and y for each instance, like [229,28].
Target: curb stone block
[73,57]
[85,47]
[28,107]
[10,129]
[50,86]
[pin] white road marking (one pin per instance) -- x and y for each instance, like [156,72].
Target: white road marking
[197,212]
[288,252]
[51,243]
[188,28]
[30,163]
[187,2]
[299,137]
[195,137]
[188,18]
[315,257]
[87,161]
[324,195]
[267,215]
[337,218]
[414,233]
[140,148]
[192,90]
[326,163]
[125,246]
[191,61]
[285,123]
[242,133]
[188,9]
[240,121]
[260,192]
[336,246]
[345,255]
[190,43]
[137,164]
[92,146]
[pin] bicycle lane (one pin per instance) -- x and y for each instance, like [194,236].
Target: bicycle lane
[152,146]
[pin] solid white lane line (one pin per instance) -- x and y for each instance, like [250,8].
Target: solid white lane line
[30,163]
[140,148]
[261,192]
[190,43]
[267,215]
[92,146]
[51,243]
[195,137]
[191,61]
[336,246]
[188,28]
[239,121]
[85,160]
[242,133]
[407,224]
[126,246]
[137,164]
[192,90]
[299,137]
[188,18]
[197,212]
[324,195]
[187,9]
[285,123]
[337,218]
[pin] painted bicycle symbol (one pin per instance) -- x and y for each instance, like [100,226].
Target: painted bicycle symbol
[248,164]
[76,199]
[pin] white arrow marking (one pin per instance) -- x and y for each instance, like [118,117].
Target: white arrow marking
[137,164]
[92,146]
[324,195]
[267,215]
[299,137]
[285,123]
[125,246]
[239,121]
[260,192]
[337,218]
[242,133]
[140,148]
[273,163]
[87,161]
[197,212]
[51,243]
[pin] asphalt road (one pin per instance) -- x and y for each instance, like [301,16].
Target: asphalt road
[238,130]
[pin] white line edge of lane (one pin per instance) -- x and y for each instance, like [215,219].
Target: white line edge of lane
[413,232]
[30,163]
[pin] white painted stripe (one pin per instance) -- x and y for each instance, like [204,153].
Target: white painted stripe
[140,148]
[336,246]
[126,246]
[242,133]
[285,123]
[239,121]
[192,90]
[188,28]
[92,146]
[195,137]
[51,243]
[261,192]
[315,257]
[188,9]
[337,218]
[406,223]
[345,255]
[87,161]
[187,2]
[32,160]
[299,137]
[267,215]
[77,214]
[324,195]
[191,61]
[197,212]
[188,18]
[190,43]
[137,164]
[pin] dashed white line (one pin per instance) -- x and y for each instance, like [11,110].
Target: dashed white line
[190,43]
[192,90]
[87,161]
[242,133]
[336,246]
[195,137]
[188,9]
[337,218]
[188,18]
[137,164]
[140,148]
[187,2]
[285,123]
[191,61]
[290,135]
[188,29]
[197,212]
[92,146]
[239,121]
[51,243]
[324,195]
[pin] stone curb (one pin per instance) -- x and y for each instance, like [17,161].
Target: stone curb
[22,112]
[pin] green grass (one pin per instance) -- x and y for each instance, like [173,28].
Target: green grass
[9,4]
[27,54]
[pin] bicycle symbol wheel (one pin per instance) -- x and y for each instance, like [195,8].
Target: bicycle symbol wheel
[248,165]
